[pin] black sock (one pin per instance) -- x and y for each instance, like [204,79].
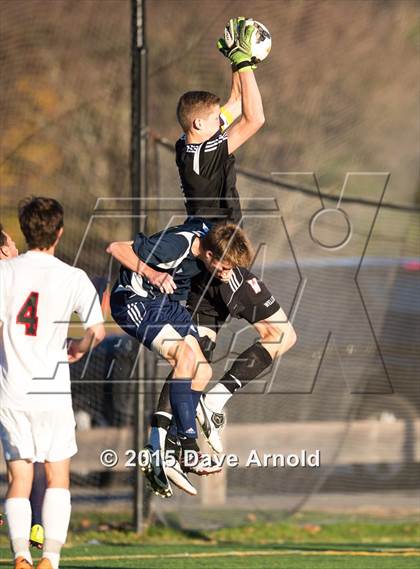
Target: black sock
[161,420]
[164,403]
[189,444]
[247,367]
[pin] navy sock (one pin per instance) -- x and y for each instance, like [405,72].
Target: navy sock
[39,486]
[173,429]
[196,397]
[183,407]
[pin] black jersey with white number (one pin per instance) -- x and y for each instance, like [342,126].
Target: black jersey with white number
[244,296]
[208,178]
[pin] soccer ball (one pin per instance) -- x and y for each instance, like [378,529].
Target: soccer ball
[261,39]
[261,42]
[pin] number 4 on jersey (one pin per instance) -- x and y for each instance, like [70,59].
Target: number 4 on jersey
[27,314]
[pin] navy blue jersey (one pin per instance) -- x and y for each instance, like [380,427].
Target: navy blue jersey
[167,251]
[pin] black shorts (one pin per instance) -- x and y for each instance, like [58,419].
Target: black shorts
[245,296]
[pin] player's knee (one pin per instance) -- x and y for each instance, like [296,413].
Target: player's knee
[280,338]
[56,477]
[204,373]
[186,361]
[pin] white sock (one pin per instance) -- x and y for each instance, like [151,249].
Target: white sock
[53,557]
[217,397]
[19,514]
[55,519]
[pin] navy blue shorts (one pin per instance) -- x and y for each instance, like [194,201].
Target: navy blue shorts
[144,319]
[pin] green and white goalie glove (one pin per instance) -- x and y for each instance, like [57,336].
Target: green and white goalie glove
[227,43]
[236,45]
[232,30]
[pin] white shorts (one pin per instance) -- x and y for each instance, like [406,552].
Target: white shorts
[38,436]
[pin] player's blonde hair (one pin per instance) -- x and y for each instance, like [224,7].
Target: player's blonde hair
[229,243]
[192,104]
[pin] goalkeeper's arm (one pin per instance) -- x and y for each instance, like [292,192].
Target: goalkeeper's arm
[252,117]
[232,109]
[241,32]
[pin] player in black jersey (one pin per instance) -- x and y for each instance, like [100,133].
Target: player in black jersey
[206,165]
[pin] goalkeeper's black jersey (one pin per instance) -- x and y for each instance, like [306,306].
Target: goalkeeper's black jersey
[208,178]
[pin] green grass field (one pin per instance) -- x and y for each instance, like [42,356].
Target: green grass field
[309,540]
[235,555]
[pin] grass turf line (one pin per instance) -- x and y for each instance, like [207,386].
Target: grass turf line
[296,558]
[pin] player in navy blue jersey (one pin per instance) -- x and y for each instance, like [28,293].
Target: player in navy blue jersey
[164,325]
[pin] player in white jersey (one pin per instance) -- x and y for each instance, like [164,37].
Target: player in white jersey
[8,250]
[38,295]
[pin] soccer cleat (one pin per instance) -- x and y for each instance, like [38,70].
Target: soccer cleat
[200,464]
[45,563]
[173,452]
[154,468]
[176,475]
[211,423]
[36,537]
[22,563]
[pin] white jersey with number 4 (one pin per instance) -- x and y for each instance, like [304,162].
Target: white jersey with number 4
[38,295]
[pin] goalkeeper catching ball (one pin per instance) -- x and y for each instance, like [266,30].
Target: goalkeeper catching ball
[206,165]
